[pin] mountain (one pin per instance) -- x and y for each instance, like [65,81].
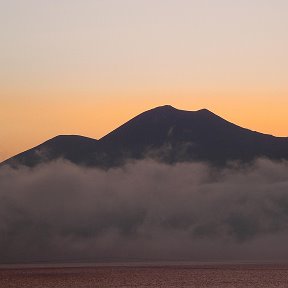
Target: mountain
[70,147]
[165,134]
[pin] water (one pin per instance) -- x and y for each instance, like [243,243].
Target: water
[148,276]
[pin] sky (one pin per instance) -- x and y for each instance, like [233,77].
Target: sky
[85,67]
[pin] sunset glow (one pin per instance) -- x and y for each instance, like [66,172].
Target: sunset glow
[69,68]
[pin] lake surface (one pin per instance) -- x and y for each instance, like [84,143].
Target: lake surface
[166,276]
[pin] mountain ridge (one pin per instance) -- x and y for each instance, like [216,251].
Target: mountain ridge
[164,133]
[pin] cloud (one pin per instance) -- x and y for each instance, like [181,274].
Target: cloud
[144,211]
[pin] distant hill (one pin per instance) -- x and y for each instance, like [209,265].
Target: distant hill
[165,134]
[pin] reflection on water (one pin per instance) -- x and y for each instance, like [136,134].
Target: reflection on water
[148,276]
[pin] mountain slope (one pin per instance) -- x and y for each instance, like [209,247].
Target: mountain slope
[176,135]
[166,134]
[70,147]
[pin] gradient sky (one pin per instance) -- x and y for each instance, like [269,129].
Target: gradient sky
[85,67]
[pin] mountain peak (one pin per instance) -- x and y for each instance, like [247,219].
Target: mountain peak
[204,110]
[164,108]
[170,108]
[167,107]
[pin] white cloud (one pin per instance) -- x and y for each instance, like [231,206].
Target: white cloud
[144,211]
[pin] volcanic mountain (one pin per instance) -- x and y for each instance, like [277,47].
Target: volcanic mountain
[165,134]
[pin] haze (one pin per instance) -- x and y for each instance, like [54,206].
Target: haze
[144,211]
[85,67]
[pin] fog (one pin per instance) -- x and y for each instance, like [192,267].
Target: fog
[144,211]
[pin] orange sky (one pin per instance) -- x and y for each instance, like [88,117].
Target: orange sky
[70,68]
[34,122]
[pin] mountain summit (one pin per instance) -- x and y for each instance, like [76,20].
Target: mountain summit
[165,134]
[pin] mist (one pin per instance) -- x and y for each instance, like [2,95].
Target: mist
[144,211]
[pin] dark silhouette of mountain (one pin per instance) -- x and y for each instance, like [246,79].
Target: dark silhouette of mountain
[166,134]
[70,147]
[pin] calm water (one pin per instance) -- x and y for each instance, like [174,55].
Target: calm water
[148,276]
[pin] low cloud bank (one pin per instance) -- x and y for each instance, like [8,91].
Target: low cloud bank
[144,211]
